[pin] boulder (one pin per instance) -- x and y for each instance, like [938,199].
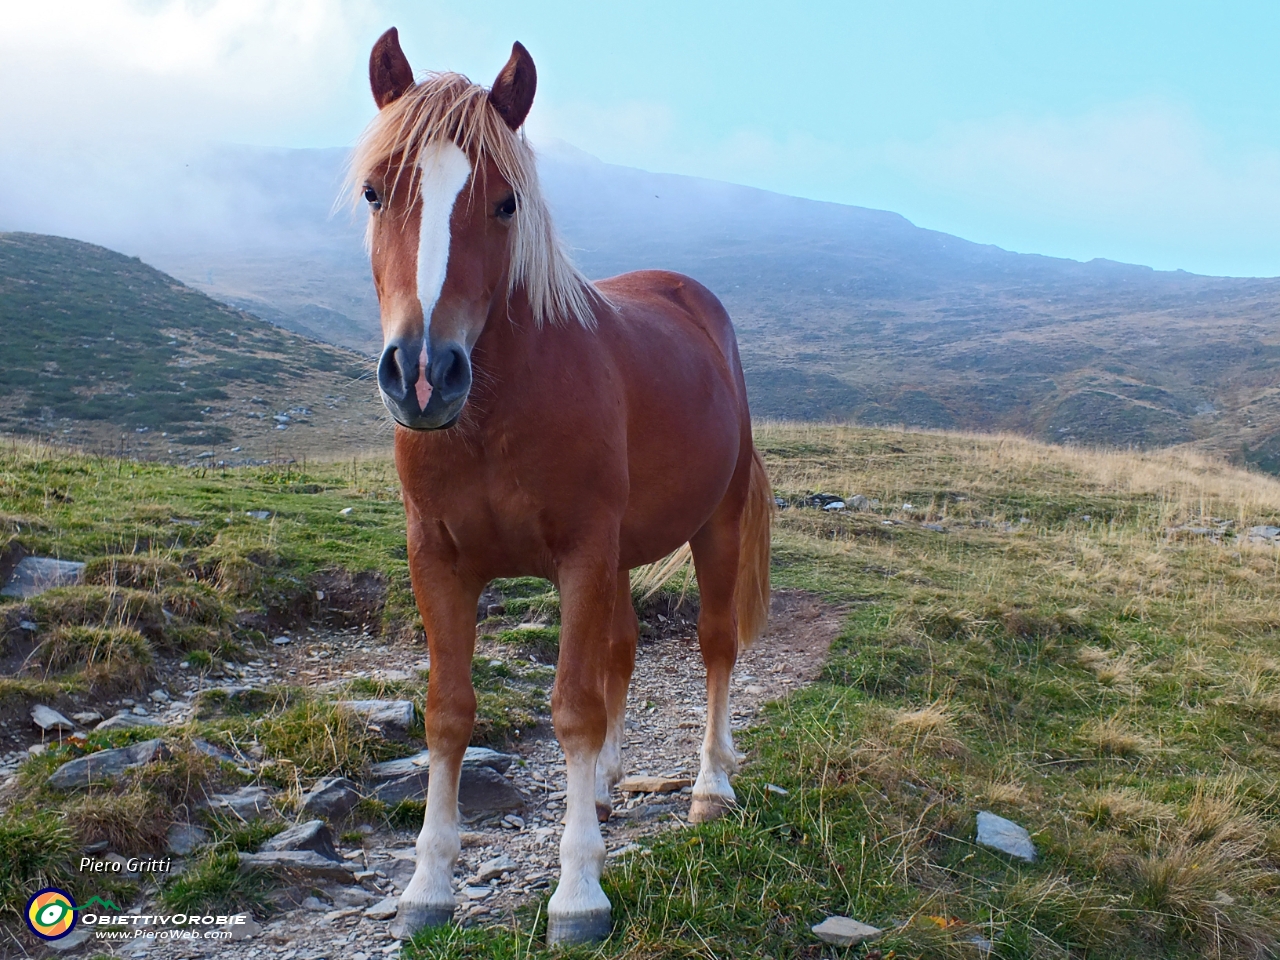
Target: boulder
[298,864]
[105,764]
[50,720]
[482,791]
[474,757]
[844,932]
[184,838]
[332,798]
[246,803]
[34,575]
[1006,836]
[312,835]
[86,717]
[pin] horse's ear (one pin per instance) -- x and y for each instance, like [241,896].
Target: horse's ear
[389,72]
[512,93]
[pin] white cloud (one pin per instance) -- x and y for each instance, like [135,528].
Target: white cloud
[207,69]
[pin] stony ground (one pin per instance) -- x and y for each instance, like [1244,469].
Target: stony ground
[666,712]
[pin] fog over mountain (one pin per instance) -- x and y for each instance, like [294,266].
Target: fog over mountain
[843,312]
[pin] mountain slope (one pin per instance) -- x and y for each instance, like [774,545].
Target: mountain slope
[99,346]
[842,312]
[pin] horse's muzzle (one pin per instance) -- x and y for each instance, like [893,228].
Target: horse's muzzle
[424,395]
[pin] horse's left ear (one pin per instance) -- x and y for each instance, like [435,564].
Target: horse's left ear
[512,93]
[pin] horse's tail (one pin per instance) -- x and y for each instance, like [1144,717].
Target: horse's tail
[752,593]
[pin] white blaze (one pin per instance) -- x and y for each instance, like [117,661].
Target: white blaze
[444,172]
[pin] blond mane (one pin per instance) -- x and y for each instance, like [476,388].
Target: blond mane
[449,107]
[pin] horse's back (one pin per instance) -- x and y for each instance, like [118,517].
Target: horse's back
[646,297]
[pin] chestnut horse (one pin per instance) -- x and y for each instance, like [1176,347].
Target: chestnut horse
[551,427]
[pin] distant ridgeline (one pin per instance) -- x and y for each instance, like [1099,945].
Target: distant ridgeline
[97,344]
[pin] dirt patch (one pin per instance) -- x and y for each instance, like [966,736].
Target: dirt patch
[336,598]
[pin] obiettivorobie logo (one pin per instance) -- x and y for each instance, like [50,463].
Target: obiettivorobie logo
[51,913]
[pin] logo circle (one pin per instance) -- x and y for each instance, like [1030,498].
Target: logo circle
[51,913]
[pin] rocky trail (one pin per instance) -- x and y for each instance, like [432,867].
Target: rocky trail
[339,902]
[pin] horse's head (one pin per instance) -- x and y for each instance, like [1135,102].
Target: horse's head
[447,180]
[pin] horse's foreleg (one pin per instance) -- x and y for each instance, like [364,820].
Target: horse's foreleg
[715,554]
[621,662]
[579,910]
[449,614]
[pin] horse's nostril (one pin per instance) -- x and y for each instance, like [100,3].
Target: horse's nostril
[451,372]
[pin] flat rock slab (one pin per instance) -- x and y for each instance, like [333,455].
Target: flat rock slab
[105,764]
[1006,836]
[392,715]
[301,864]
[127,720]
[383,909]
[312,835]
[246,803]
[49,719]
[474,757]
[332,798]
[845,932]
[654,784]
[34,575]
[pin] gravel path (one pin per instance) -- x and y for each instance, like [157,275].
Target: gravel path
[666,711]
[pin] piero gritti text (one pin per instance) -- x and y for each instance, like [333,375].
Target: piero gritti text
[132,865]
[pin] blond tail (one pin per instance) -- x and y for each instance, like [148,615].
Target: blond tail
[752,592]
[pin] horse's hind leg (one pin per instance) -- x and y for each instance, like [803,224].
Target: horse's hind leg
[579,909]
[449,614]
[621,661]
[715,557]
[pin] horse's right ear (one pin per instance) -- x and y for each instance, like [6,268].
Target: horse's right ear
[389,72]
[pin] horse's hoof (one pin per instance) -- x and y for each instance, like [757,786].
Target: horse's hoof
[603,811]
[578,928]
[412,917]
[704,809]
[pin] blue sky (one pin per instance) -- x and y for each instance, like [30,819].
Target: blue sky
[1145,132]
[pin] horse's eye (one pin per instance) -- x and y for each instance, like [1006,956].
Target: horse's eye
[371,195]
[506,209]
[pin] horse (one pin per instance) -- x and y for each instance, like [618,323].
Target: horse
[546,426]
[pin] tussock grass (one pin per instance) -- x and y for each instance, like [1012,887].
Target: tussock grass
[133,819]
[36,850]
[118,658]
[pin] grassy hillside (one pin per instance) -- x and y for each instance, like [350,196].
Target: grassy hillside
[99,345]
[1030,630]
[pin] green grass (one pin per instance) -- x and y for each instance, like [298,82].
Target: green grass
[1056,657]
